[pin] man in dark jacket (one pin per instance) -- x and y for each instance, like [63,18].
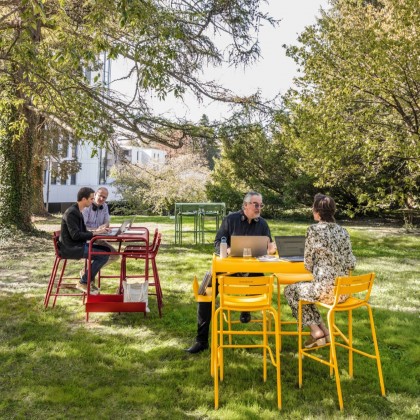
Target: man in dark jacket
[74,236]
[246,222]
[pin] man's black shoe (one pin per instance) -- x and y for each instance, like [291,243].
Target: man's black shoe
[198,347]
[245,317]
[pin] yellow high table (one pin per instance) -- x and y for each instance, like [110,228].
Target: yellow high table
[286,273]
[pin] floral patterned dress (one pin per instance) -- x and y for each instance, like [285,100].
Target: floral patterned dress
[328,255]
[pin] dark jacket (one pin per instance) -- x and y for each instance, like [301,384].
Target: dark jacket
[237,224]
[73,234]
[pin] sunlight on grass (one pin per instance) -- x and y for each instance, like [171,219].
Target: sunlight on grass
[55,365]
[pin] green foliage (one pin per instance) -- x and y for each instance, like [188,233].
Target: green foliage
[355,114]
[122,207]
[224,186]
[258,158]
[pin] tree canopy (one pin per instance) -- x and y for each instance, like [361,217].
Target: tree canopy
[355,114]
[257,156]
[47,48]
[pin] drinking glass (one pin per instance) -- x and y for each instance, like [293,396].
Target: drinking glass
[247,253]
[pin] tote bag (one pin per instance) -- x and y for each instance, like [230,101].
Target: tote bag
[137,292]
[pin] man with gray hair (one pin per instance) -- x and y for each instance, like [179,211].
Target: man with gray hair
[96,216]
[246,222]
[74,237]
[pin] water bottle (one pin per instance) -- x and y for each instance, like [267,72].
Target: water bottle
[223,248]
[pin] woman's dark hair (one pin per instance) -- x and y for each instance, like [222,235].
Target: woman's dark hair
[325,206]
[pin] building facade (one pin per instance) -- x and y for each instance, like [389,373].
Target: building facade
[61,192]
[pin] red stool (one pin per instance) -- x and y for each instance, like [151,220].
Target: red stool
[55,286]
[146,253]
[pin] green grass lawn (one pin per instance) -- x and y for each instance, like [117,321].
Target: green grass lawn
[55,365]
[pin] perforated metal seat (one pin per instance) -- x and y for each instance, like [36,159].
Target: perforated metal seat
[245,294]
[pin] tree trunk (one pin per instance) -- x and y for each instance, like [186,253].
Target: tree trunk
[38,206]
[16,145]
[39,154]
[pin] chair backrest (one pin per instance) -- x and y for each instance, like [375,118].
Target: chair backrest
[56,237]
[187,208]
[156,243]
[213,208]
[245,291]
[349,285]
[155,235]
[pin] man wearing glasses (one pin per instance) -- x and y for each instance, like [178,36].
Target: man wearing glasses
[96,216]
[246,222]
[74,239]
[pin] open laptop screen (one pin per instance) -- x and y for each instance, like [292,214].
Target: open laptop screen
[258,245]
[291,248]
[117,231]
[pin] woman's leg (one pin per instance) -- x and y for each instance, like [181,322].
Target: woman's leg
[316,331]
[310,314]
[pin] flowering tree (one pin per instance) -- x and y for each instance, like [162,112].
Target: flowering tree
[157,188]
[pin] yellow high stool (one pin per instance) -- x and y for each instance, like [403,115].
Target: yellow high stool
[348,285]
[284,279]
[245,294]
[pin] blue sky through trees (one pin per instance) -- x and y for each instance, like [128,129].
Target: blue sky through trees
[273,73]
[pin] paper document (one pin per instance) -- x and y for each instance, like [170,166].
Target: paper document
[268,258]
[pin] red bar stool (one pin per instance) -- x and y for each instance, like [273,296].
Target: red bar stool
[55,285]
[146,253]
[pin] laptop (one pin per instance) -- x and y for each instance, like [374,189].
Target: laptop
[290,248]
[118,231]
[133,232]
[258,245]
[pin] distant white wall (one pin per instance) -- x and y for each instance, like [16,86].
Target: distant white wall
[144,156]
[89,174]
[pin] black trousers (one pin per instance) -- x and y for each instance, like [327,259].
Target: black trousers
[204,311]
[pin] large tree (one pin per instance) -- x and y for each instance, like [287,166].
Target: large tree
[356,111]
[47,47]
[256,156]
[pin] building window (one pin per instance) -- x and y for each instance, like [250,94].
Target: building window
[54,171]
[74,151]
[64,146]
[88,75]
[73,179]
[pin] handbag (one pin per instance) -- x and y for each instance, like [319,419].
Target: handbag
[137,292]
[206,282]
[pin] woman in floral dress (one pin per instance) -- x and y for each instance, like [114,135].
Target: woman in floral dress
[328,255]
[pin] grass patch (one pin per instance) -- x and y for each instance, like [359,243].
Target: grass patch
[55,365]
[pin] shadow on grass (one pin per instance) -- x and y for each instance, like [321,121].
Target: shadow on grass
[124,365]
[130,366]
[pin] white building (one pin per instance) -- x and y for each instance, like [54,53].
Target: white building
[142,155]
[94,172]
